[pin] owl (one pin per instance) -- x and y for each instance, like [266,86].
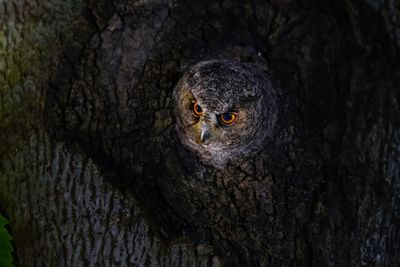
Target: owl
[224,110]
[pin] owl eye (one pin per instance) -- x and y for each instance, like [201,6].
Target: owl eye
[197,110]
[228,118]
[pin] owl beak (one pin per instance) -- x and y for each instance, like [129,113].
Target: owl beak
[205,132]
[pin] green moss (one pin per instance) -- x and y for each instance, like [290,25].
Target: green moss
[27,48]
[5,244]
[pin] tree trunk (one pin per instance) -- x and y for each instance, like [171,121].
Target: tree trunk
[91,170]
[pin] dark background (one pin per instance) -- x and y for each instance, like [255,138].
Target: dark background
[91,172]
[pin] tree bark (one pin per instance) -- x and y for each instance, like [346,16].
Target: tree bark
[91,170]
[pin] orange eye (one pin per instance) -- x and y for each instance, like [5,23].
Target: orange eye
[197,110]
[228,118]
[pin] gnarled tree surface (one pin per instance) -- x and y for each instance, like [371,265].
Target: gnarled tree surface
[92,172]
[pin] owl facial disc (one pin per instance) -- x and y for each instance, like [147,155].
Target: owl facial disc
[224,110]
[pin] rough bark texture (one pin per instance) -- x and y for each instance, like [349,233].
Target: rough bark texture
[91,171]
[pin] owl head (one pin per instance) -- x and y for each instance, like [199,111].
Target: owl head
[224,110]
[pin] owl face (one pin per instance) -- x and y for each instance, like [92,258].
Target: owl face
[224,110]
